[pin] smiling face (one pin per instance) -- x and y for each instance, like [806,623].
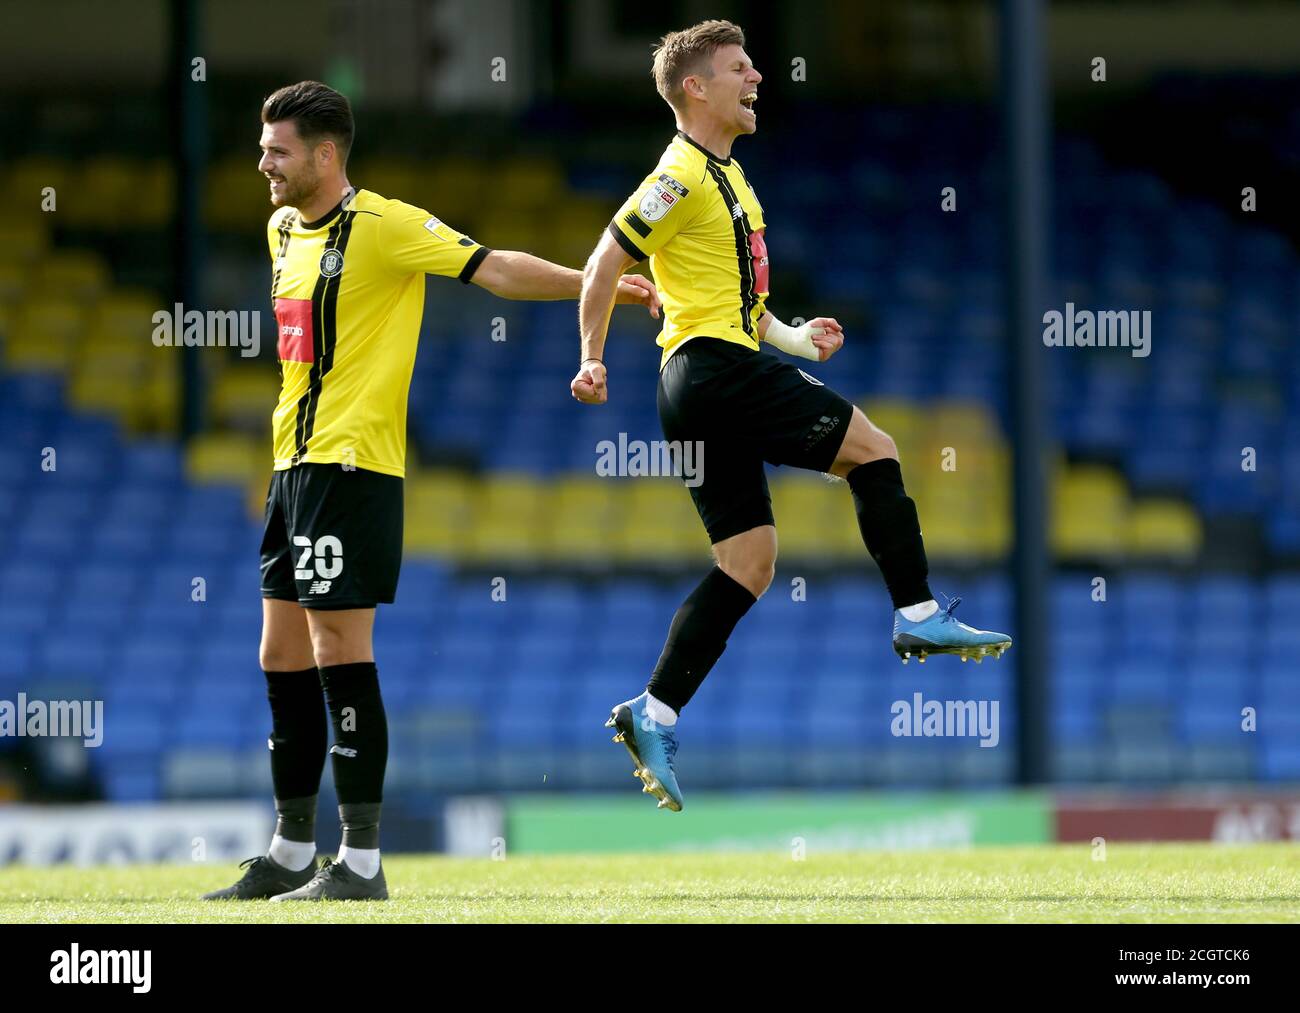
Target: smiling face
[289,164]
[730,93]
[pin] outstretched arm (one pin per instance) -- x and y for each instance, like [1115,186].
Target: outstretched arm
[514,275]
[412,241]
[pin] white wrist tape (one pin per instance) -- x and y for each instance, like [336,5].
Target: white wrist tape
[795,340]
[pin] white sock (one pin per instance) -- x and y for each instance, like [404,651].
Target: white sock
[660,713]
[921,610]
[363,861]
[293,855]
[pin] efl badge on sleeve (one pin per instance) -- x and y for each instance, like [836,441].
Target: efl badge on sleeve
[658,201]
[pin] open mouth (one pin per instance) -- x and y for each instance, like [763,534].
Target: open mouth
[748,100]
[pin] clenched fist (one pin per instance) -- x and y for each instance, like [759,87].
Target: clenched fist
[589,385]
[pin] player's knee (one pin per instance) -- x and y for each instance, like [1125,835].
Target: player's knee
[329,650]
[754,572]
[868,443]
[749,559]
[279,658]
[883,445]
[762,578]
[335,647]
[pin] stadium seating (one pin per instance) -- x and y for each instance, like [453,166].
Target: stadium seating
[98,557]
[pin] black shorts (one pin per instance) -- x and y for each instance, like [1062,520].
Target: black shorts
[333,538]
[744,408]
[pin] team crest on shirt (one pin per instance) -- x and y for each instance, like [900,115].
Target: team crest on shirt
[331,263]
[665,192]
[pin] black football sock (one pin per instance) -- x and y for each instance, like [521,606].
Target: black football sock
[697,637]
[299,738]
[359,755]
[295,818]
[360,822]
[891,530]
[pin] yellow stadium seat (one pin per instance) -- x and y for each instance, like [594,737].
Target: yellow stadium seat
[527,184]
[243,397]
[576,234]
[36,171]
[508,230]
[1165,529]
[155,410]
[585,497]
[509,494]
[1090,509]
[658,523]
[13,283]
[100,338]
[98,390]
[497,538]
[123,319]
[154,200]
[658,540]
[949,420]
[70,274]
[44,335]
[433,536]
[23,242]
[802,505]
[225,457]
[902,420]
[505,521]
[948,536]
[438,511]
[102,193]
[63,317]
[572,541]
[23,192]
[449,189]
[237,196]
[440,492]
[802,536]
[577,518]
[391,178]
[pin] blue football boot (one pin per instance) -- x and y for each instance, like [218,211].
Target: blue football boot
[652,746]
[943,634]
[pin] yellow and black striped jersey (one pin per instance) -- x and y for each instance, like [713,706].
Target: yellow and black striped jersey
[348,292]
[696,217]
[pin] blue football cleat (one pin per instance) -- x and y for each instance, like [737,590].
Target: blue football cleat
[652,746]
[943,634]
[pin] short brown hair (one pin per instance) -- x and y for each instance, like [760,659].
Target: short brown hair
[690,51]
[317,111]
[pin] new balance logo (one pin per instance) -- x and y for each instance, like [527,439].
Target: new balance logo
[320,587]
[737,210]
[343,751]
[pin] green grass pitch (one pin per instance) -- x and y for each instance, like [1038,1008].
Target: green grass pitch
[1056,883]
